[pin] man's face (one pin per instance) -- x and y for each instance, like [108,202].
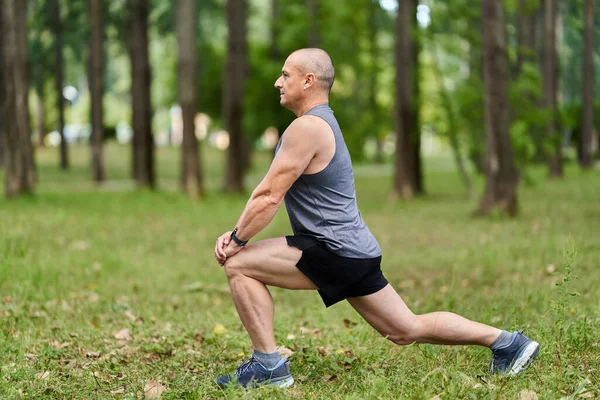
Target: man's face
[290,84]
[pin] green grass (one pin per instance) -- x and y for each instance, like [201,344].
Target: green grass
[79,263]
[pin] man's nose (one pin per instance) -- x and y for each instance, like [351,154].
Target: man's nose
[277,84]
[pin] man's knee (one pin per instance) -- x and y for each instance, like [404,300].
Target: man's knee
[406,333]
[233,266]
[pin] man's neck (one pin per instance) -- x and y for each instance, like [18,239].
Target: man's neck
[308,105]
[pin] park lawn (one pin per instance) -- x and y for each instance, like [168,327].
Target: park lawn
[103,290]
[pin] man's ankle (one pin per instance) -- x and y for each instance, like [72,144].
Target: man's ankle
[267,360]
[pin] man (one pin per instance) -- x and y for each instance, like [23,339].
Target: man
[332,250]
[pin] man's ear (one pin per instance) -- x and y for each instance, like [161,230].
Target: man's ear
[309,80]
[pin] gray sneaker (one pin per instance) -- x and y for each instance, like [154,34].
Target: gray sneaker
[514,358]
[251,373]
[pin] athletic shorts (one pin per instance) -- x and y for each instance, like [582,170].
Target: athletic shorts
[337,277]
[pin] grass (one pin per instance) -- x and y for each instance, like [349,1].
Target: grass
[80,264]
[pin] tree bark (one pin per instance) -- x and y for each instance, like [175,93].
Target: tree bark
[191,177]
[2,86]
[314,39]
[526,31]
[97,88]
[588,87]
[501,175]
[234,93]
[452,118]
[20,170]
[143,142]
[407,181]
[554,153]
[60,100]
[40,117]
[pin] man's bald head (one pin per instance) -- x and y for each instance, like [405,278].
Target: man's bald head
[317,62]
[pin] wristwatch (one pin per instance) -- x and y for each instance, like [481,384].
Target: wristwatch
[236,239]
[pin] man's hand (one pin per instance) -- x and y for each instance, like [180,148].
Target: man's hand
[232,249]
[222,242]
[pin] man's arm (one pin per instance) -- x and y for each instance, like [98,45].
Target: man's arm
[299,145]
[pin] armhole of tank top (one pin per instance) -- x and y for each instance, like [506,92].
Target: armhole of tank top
[335,143]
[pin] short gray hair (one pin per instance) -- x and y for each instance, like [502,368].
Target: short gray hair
[318,62]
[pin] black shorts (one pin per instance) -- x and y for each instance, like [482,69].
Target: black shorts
[337,277]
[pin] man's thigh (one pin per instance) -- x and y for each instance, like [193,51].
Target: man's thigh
[272,262]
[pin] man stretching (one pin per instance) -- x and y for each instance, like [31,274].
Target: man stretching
[332,249]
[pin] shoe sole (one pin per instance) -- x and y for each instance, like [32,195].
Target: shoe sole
[283,383]
[525,359]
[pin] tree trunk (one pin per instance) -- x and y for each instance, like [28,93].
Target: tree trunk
[234,93]
[191,177]
[314,39]
[554,155]
[452,118]
[40,117]
[97,88]
[407,175]
[60,100]
[501,175]
[2,86]
[20,171]
[143,143]
[588,87]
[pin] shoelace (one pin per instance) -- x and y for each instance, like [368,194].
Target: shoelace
[245,366]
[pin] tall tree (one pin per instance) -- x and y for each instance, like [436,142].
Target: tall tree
[501,175]
[20,169]
[191,177]
[588,87]
[2,86]
[97,87]
[314,39]
[233,110]
[143,143]
[407,179]
[554,153]
[60,100]
[526,32]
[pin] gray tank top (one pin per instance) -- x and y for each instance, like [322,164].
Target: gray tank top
[323,205]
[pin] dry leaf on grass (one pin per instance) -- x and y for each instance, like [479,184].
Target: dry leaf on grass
[129,315]
[120,390]
[219,329]
[93,354]
[527,394]
[123,334]
[324,351]
[43,375]
[285,352]
[31,357]
[153,390]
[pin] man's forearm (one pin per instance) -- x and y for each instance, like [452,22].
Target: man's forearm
[259,212]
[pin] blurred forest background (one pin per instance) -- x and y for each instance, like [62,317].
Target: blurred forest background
[498,84]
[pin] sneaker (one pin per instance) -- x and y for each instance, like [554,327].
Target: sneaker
[252,373]
[514,358]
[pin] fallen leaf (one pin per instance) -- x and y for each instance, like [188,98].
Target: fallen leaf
[291,336]
[324,351]
[348,323]
[43,375]
[129,315]
[527,394]
[330,378]
[118,391]
[284,352]
[123,334]
[219,329]
[31,357]
[93,354]
[57,345]
[8,299]
[198,336]
[153,390]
